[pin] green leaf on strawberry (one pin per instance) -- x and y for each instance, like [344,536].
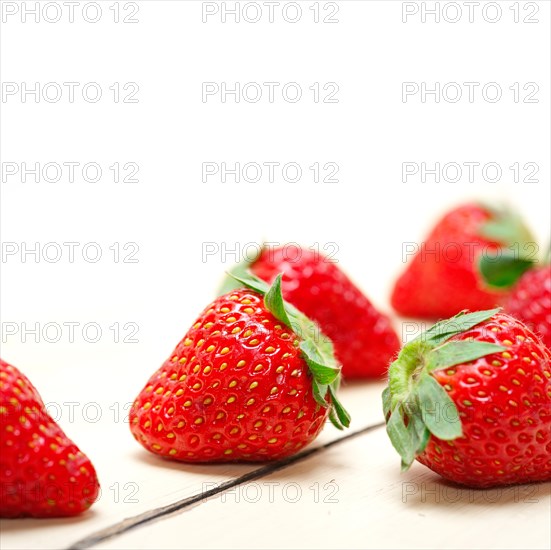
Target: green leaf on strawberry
[342,413]
[420,405]
[504,268]
[450,354]
[274,302]
[438,411]
[444,330]
[505,226]
[237,272]
[317,349]
[399,436]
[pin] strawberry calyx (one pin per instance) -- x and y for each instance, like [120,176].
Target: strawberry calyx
[317,349]
[504,268]
[231,280]
[415,405]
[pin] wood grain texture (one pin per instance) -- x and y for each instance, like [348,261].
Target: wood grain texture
[350,494]
[353,496]
[159,483]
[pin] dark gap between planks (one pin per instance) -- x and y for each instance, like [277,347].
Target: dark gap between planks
[151,515]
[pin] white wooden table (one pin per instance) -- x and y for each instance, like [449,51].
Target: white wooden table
[346,492]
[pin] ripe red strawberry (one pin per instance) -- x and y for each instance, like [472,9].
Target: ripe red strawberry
[530,301]
[471,399]
[364,339]
[42,472]
[445,275]
[241,384]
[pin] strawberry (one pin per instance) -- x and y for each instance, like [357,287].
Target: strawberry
[530,301]
[42,472]
[471,399]
[446,274]
[364,339]
[241,384]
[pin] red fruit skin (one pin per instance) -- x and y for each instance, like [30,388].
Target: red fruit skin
[42,472]
[504,401]
[234,389]
[442,278]
[530,301]
[363,338]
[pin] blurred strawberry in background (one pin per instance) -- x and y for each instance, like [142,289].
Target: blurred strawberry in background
[530,301]
[365,341]
[470,259]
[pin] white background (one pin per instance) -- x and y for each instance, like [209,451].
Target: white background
[170,214]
